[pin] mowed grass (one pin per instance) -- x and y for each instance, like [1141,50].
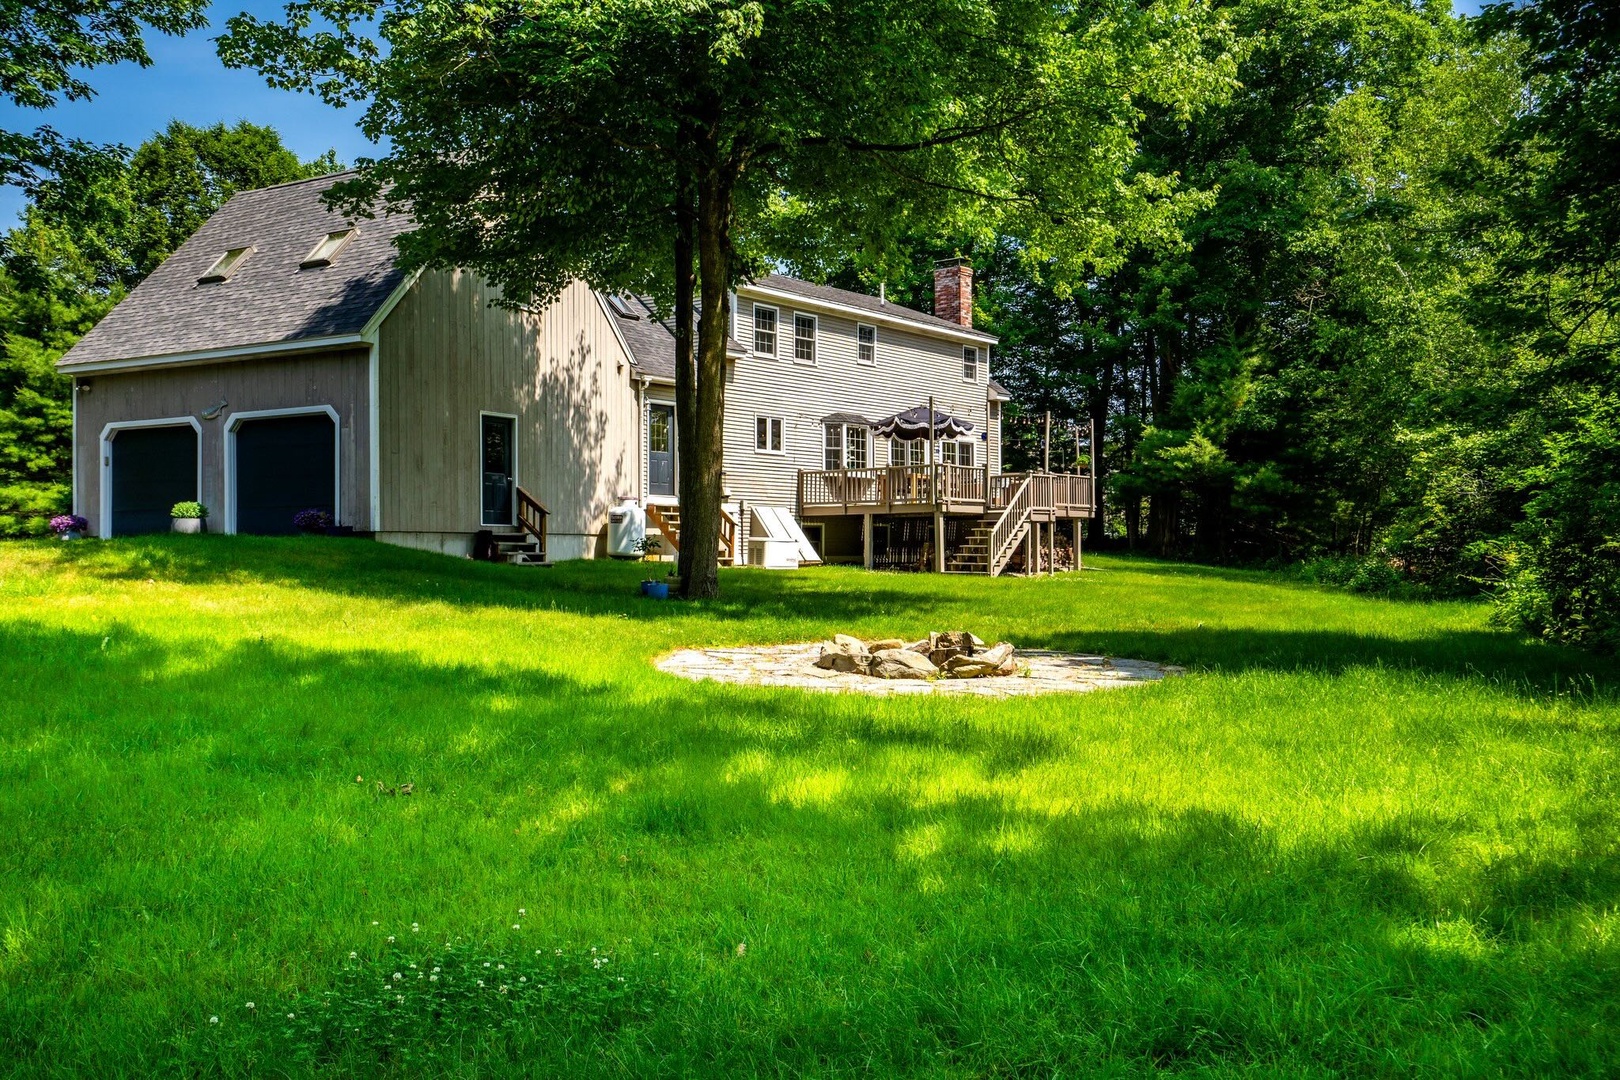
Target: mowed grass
[1359,837]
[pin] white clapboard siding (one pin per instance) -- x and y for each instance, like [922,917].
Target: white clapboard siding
[910,366]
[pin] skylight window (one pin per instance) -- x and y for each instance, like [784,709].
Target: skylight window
[327,249]
[226,265]
[621,307]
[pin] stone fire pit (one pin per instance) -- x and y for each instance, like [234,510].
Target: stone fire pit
[954,662]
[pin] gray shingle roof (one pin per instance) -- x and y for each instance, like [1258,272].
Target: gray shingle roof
[652,340]
[845,298]
[269,300]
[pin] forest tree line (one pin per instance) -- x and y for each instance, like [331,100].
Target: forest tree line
[1383,347]
[1376,342]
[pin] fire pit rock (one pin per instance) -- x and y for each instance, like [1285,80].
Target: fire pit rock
[951,654]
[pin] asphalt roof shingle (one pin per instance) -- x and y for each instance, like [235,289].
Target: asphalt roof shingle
[269,299]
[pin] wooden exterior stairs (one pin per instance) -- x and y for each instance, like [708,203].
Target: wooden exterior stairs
[524,545]
[667,520]
[993,541]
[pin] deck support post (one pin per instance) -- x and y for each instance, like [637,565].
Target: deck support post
[939,540]
[1051,548]
[1078,564]
[868,554]
[1031,565]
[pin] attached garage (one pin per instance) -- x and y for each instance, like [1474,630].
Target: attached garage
[147,469]
[281,464]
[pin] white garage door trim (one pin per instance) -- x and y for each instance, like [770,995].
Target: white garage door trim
[234,420]
[104,524]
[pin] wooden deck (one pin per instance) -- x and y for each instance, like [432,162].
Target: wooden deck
[947,489]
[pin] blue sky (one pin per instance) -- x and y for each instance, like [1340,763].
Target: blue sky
[187,82]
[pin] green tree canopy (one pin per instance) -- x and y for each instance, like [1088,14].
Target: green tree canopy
[46,50]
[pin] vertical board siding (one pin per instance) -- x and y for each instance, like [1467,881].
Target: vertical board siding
[446,355]
[910,367]
[339,379]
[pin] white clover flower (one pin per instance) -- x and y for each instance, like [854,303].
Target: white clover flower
[412,965]
[373,922]
[250,1004]
[437,969]
[289,1016]
[433,978]
[354,956]
[523,978]
[500,967]
[515,926]
[213,1019]
[486,963]
[480,982]
[523,911]
[558,952]
[398,976]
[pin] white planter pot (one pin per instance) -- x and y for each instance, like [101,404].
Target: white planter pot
[187,525]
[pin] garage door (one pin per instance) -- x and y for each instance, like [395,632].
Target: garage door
[152,469]
[284,464]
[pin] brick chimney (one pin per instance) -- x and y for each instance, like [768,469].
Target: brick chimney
[953,291]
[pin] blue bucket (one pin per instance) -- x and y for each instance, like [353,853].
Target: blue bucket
[658,590]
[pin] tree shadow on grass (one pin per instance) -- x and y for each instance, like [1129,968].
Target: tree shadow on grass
[586,587]
[877,602]
[1503,661]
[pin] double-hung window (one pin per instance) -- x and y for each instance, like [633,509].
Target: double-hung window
[956,452]
[847,446]
[865,344]
[764,330]
[970,362]
[768,434]
[804,339]
[907,451]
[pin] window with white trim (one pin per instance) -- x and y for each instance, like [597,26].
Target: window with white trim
[768,434]
[970,362]
[764,330]
[865,344]
[906,451]
[804,339]
[846,446]
[956,452]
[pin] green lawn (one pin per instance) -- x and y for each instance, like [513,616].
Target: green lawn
[1359,837]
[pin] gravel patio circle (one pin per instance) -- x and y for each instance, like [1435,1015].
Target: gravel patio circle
[794,665]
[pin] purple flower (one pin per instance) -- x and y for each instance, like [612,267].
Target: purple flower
[312,520]
[63,523]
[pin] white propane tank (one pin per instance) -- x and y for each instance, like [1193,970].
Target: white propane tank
[627,527]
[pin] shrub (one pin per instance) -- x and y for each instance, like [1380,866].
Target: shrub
[312,520]
[188,510]
[64,523]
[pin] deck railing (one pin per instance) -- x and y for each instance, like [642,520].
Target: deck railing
[889,486]
[1014,518]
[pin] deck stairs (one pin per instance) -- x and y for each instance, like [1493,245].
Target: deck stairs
[667,520]
[993,541]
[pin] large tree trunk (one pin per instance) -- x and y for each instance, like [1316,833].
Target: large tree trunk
[685,367]
[1102,394]
[702,492]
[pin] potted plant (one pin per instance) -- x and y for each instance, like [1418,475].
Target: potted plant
[69,526]
[188,517]
[650,548]
[312,521]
